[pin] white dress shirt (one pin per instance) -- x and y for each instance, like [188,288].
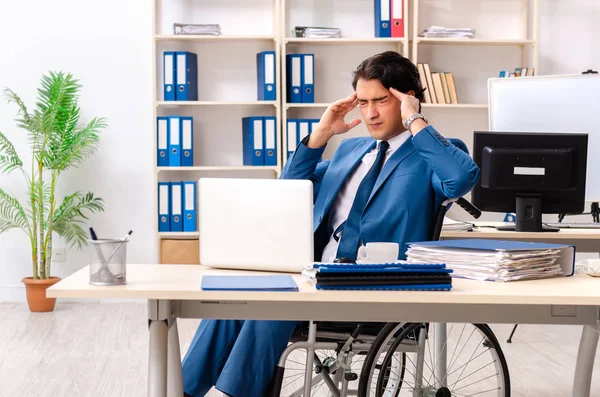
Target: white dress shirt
[345,197]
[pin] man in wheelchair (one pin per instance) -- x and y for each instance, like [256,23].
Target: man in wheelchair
[386,187]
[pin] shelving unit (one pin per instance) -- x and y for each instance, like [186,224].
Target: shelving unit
[332,55]
[528,40]
[227,68]
[227,88]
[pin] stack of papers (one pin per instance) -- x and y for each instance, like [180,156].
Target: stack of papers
[440,31]
[196,28]
[317,32]
[381,276]
[490,260]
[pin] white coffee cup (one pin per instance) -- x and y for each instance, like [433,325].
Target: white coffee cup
[378,253]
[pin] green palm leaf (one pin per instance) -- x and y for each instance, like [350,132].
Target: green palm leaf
[27,121]
[12,215]
[70,214]
[9,159]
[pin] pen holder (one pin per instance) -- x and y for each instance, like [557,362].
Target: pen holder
[108,262]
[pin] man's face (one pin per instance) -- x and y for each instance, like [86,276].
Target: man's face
[380,109]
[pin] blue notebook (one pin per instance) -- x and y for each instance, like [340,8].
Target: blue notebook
[489,245]
[249,283]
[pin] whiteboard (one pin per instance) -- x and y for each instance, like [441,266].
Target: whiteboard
[553,103]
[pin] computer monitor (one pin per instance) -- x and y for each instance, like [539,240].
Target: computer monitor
[530,174]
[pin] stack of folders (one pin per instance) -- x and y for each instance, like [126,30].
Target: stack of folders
[266,78]
[259,141]
[317,32]
[442,32]
[180,76]
[300,78]
[175,141]
[494,260]
[177,206]
[389,20]
[297,130]
[384,276]
[197,28]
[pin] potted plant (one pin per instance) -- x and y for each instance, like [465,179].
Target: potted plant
[57,143]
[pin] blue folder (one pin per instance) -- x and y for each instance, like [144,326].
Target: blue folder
[249,283]
[489,245]
[412,287]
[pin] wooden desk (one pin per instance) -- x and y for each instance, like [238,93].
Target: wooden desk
[174,291]
[585,240]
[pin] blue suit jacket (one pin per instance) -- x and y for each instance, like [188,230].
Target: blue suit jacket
[414,181]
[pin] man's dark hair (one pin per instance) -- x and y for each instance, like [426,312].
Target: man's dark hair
[393,70]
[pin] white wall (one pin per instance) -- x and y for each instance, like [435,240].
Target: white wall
[108,46]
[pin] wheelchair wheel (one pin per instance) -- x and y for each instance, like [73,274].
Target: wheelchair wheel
[408,360]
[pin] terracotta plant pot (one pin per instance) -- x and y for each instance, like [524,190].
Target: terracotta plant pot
[36,294]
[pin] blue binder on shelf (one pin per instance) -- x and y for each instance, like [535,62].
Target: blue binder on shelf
[187,76]
[292,136]
[189,207]
[187,141]
[174,141]
[164,207]
[249,283]
[265,69]
[176,206]
[162,141]
[169,75]
[294,78]
[252,141]
[270,140]
[383,27]
[303,129]
[308,84]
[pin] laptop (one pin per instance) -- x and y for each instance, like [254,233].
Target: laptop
[256,224]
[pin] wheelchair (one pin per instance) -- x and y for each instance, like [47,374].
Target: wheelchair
[393,359]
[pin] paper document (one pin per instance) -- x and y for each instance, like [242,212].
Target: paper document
[479,262]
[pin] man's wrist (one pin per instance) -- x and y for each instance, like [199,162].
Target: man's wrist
[317,139]
[416,126]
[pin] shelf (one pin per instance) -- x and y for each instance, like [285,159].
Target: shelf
[425,105]
[345,40]
[306,105]
[216,103]
[458,41]
[456,106]
[179,235]
[217,168]
[202,38]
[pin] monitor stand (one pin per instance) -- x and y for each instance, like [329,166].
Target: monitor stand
[529,216]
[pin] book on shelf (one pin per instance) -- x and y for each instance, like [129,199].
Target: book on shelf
[518,72]
[439,86]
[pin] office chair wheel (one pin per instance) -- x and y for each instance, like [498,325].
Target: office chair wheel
[474,362]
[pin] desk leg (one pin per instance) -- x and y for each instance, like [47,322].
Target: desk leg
[157,363]
[582,382]
[174,377]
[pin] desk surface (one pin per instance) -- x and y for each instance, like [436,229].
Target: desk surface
[182,282]
[487,230]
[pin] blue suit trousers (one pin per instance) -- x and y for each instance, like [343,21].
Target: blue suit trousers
[237,357]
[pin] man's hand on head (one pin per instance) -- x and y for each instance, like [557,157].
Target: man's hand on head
[333,122]
[409,105]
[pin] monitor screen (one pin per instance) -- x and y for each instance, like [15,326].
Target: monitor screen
[530,174]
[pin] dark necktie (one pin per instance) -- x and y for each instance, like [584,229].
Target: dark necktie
[348,244]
